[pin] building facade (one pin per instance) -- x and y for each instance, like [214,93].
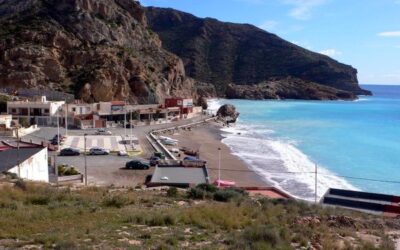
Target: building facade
[29,163]
[40,111]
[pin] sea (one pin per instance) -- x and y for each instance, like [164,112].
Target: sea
[349,144]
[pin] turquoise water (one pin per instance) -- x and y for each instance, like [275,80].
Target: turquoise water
[359,139]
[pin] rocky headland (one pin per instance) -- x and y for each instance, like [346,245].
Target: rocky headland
[243,61]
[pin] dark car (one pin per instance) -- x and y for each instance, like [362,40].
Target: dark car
[55,137]
[159,155]
[69,152]
[54,142]
[154,160]
[137,165]
[129,125]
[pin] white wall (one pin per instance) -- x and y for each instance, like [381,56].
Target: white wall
[35,168]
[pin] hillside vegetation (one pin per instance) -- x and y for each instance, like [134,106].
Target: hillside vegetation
[37,216]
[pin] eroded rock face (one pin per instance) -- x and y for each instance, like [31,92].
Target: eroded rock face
[98,49]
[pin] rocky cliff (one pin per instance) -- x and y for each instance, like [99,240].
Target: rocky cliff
[98,49]
[242,55]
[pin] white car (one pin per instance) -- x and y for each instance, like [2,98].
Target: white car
[122,153]
[99,151]
[165,138]
[174,150]
[169,142]
[103,131]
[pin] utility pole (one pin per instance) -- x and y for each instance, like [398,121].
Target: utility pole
[316,184]
[125,119]
[58,129]
[66,119]
[18,163]
[56,169]
[219,167]
[130,125]
[84,155]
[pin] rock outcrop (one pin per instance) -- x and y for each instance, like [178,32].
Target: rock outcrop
[287,88]
[99,50]
[244,55]
[228,113]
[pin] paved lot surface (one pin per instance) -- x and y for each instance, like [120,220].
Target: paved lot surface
[105,170]
[113,143]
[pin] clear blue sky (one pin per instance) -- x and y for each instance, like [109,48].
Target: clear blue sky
[362,33]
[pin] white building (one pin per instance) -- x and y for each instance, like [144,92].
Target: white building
[29,163]
[40,112]
[5,120]
[80,108]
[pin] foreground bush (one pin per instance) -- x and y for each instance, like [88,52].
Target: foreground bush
[226,195]
[108,218]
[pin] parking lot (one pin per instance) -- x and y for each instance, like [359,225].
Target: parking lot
[104,169]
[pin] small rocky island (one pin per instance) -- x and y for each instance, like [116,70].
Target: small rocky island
[228,113]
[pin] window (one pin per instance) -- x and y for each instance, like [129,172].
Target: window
[13,111]
[46,111]
[73,109]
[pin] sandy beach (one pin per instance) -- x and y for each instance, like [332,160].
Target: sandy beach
[206,138]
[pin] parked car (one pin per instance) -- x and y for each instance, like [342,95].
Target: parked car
[102,131]
[55,137]
[174,150]
[160,155]
[99,151]
[135,164]
[122,153]
[129,125]
[69,152]
[154,160]
[169,142]
[54,142]
[194,159]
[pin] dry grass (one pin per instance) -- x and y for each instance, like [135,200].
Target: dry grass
[108,218]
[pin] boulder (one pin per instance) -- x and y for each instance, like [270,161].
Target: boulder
[228,113]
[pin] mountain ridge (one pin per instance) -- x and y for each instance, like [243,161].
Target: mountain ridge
[225,53]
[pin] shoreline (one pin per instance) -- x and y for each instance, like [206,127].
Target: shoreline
[207,138]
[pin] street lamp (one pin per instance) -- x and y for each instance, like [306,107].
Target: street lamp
[219,167]
[58,129]
[84,155]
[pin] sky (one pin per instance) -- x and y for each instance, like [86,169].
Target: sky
[361,33]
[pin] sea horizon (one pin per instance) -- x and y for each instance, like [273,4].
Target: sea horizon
[285,140]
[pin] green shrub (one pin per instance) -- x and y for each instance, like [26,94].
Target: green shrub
[172,192]
[13,176]
[20,184]
[159,219]
[38,200]
[196,193]
[65,170]
[260,237]
[207,187]
[228,194]
[116,201]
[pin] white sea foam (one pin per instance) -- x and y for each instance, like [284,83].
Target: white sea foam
[214,104]
[281,164]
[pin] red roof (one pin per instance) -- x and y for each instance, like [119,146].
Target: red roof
[118,103]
